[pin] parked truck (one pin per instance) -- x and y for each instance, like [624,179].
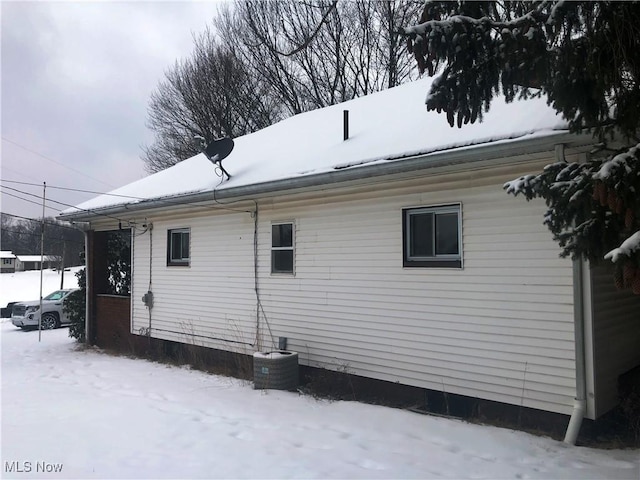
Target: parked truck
[27,315]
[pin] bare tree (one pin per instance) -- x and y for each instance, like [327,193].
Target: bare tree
[209,95]
[22,237]
[350,48]
[266,60]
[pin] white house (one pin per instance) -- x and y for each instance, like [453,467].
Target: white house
[8,262]
[394,253]
[33,262]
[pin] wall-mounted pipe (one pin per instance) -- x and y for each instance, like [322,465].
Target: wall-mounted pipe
[580,402]
[150,227]
[575,422]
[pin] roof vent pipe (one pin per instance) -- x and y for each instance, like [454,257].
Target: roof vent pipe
[345,124]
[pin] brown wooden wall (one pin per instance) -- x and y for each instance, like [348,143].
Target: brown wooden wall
[112,328]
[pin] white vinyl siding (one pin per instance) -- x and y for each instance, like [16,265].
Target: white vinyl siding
[616,336]
[212,303]
[500,328]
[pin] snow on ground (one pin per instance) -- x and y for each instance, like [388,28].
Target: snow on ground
[92,415]
[25,286]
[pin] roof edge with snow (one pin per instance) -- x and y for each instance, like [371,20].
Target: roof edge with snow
[390,132]
[526,144]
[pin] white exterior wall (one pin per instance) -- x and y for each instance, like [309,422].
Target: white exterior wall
[211,302]
[501,328]
[7,261]
[616,336]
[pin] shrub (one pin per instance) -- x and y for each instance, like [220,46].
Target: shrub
[75,308]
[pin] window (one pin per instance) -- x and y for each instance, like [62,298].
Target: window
[432,237]
[57,295]
[178,247]
[282,248]
[6,261]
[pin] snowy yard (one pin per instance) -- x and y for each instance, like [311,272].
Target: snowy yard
[86,414]
[25,286]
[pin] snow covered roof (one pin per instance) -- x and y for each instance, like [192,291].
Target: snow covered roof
[6,254]
[388,125]
[36,258]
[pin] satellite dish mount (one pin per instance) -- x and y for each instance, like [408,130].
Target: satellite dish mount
[218,150]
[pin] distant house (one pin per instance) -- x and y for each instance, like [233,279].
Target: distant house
[32,262]
[394,254]
[8,262]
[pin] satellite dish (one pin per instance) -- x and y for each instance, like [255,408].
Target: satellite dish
[219,149]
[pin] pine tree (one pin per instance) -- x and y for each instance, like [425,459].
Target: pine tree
[584,57]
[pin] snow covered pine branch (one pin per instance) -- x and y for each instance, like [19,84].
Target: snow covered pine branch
[593,210]
[584,58]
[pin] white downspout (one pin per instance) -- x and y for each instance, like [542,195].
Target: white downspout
[580,401]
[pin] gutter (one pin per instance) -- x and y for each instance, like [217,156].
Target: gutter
[444,158]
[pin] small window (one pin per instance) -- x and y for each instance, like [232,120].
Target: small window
[432,237]
[282,248]
[178,246]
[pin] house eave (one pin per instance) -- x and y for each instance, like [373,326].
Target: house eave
[493,151]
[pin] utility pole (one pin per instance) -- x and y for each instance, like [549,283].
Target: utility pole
[44,194]
[64,251]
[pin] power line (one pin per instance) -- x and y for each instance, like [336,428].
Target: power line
[54,161]
[73,189]
[178,203]
[55,201]
[40,221]
[169,202]
[27,200]
[36,196]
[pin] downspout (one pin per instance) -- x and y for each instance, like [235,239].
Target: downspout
[580,401]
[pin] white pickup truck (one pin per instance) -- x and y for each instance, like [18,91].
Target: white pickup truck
[27,314]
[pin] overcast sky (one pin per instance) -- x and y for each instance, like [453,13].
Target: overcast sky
[76,79]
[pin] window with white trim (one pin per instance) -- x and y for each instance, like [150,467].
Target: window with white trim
[282,247]
[432,236]
[178,247]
